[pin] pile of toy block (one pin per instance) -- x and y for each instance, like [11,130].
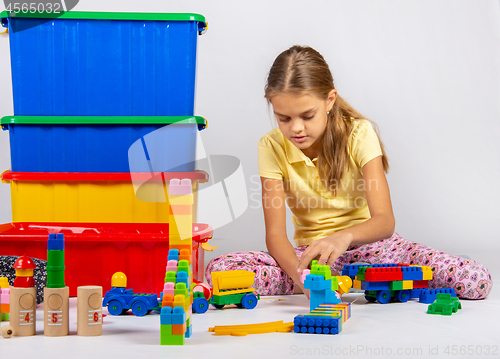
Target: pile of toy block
[177,296]
[327,313]
[382,282]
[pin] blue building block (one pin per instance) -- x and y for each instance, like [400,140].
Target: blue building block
[375,285]
[415,293]
[178,315]
[317,325]
[173,254]
[383,265]
[317,282]
[189,332]
[320,291]
[182,277]
[412,273]
[55,242]
[166,316]
[428,296]
[352,269]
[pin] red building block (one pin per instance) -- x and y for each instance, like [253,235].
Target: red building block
[420,284]
[382,274]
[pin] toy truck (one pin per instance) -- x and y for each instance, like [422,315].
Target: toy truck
[401,282]
[229,287]
[119,300]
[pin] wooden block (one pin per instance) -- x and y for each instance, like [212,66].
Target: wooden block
[56,312]
[89,307]
[23,311]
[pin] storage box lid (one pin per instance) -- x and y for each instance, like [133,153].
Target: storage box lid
[102,120]
[95,15]
[97,232]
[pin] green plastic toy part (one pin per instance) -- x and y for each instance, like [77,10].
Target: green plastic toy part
[95,15]
[444,304]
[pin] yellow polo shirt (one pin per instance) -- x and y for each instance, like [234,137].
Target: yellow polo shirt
[316,212]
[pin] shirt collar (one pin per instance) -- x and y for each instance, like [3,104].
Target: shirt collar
[293,154]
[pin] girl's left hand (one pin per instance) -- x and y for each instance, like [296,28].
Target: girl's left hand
[328,249]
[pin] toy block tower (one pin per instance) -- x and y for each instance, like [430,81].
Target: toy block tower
[175,317]
[4,299]
[56,294]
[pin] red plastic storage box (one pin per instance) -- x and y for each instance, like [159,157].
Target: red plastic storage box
[95,251]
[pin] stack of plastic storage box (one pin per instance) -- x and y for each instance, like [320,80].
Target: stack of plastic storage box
[103,106]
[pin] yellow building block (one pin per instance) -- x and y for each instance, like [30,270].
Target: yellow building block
[180,199]
[426,271]
[356,284]
[180,224]
[407,284]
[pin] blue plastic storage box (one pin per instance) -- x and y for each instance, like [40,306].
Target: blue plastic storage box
[103,64]
[103,144]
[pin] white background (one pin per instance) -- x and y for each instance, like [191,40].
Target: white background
[426,71]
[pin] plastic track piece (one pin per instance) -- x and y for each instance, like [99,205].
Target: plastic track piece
[261,328]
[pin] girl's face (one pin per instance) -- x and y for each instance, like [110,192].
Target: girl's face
[302,119]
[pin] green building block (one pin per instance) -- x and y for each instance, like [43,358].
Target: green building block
[396,285]
[361,273]
[322,270]
[335,283]
[170,277]
[180,288]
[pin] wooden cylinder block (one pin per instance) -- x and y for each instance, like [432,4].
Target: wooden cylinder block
[56,312]
[23,311]
[89,306]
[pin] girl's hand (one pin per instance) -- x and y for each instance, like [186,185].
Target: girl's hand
[327,249]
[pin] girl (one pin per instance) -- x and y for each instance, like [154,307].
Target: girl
[329,165]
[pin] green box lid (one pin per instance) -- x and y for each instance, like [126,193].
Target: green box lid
[97,15]
[103,120]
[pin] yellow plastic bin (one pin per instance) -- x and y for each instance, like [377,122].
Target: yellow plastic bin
[94,197]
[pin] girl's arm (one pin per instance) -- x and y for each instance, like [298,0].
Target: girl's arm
[379,226]
[278,245]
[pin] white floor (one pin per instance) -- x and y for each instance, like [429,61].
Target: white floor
[399,330]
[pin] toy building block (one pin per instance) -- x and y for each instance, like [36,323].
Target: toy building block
[23,311]
[304,274]
[4,299]
[89,311]
[180,217]
[375,285]
[320,291]
[444,304]
[380,274]
[415,293]
[56,294]
[317,325]
[420,284]
[407,284]
[426,272]
[7,331]
[412,273]
[173,254]
[396,285]
[428,296]
[244,329]
[351,270]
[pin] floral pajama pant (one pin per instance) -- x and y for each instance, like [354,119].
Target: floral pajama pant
[469,278]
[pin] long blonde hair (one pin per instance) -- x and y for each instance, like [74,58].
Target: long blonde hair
[303,70]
